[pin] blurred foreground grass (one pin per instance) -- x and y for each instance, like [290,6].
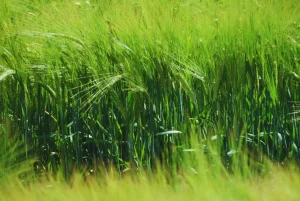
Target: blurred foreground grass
[278,185]
[200,176]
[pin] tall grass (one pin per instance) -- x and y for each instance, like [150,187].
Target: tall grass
[129,83]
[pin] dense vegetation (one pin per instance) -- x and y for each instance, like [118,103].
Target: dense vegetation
[91,84]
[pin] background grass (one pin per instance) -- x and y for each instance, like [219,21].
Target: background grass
[127,83]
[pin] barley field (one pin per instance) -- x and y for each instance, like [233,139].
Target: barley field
[138,100]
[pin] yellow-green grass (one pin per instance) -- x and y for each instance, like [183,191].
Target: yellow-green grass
[277,185]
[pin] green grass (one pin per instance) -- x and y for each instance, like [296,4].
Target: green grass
[128,83]
[192,182]
[233,190]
